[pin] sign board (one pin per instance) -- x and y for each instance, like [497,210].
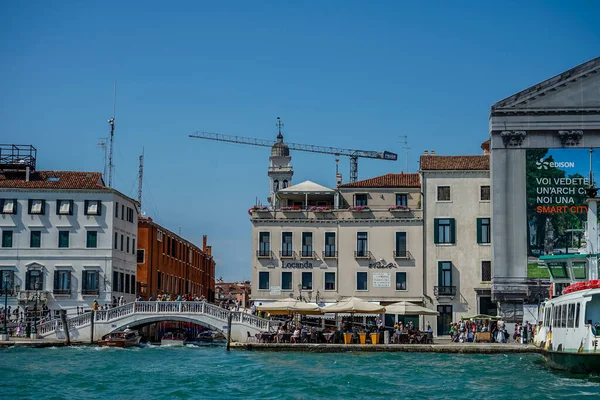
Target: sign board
[382,280]
[275,291]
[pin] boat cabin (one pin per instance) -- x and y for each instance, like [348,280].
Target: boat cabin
[566,269]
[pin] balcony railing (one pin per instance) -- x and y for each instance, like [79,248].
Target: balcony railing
[287,254]
[264,254]
[89,292]
[363,254]
[439,291]
[330,254]
[403,254]
[308,254]
[61,291]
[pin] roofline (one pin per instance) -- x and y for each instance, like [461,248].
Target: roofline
[377,187]
[585,68]
[99,189]
[151,222]
[454,170]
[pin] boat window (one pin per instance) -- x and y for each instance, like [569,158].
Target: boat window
[571,316]
[558,269]
[579,269]
[563,318]
[577,316]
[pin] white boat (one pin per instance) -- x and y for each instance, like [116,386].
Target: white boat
[125,339]
[568,331]
[173,339]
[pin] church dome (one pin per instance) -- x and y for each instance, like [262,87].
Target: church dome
[280,149]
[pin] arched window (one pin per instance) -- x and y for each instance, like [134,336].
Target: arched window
[275,185]
[285,183]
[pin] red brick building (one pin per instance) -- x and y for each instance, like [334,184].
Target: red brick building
[167,263]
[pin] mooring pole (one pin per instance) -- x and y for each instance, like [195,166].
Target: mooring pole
[229,329]
[92,327]
[63,318]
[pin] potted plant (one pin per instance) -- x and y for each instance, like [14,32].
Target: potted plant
[399,208]
[257,208]
[359,208]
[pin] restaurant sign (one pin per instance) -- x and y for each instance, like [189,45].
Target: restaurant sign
[297,265]
[382,280]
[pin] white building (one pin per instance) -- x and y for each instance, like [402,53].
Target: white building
[65,237]
[457,236]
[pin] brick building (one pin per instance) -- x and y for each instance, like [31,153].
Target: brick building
[167,263]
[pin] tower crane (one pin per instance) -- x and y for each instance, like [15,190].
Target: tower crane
[352,153]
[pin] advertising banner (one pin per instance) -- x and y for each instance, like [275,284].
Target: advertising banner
[556,182]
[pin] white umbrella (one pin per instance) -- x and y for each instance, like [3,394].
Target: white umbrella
[354,305]
[289,305]
[406,308]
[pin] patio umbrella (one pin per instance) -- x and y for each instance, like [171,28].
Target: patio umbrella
[354,305]
[289,305]
[406,308]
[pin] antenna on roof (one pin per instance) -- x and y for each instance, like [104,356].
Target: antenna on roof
[102,145]
[112,136]
[404,143]
[140,178]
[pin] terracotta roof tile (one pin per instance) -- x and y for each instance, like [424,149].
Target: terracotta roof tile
[455,163]
[52,180]
[387,181]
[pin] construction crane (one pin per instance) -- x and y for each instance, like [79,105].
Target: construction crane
[353,154]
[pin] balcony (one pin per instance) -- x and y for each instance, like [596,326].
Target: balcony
[287,254]
[308,254]
[364,254]
[268,254]
[447,291]
[61,292]
[405,254]
[330,254]
[25,296]
[90,292]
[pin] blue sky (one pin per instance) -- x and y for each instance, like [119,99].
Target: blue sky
[352,74]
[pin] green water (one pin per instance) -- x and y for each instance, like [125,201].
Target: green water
[212,373]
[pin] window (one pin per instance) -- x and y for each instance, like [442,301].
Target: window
[159,236]
[361,281]
[276,185]
[360,199]
[92,239]
[307,281]
[401,281]
[8,206]
[444,230]
[132,288]
[116,241]
[577,316]
[486,271]
[571,316]
[63,238]
[483,231]
[445,273]
[141,256]
[484,194]
[92,207]
[579,270]
[35,239]
[286,244]
[122,282]
[361,244]
[37,207]
[158,279]
[122,241]
[128,244]
[64,207]
[401,245]
[7,238]
[34,280]
[127,283]
[7,279]
[402,199]
[264,244]
[133,248]
[117,210]
[263,280]
[122,212]
[443,193]
[89,282]
[129,214]
[286,281]
[307,244]
[62,282]
[329,280]
[330,244]
[285,183]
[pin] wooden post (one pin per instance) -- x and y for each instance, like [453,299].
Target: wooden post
[63,318]
[229,329]
[92,327]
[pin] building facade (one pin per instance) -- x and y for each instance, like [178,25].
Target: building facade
[319,244]
[457,236]
[67,239]
[169,264]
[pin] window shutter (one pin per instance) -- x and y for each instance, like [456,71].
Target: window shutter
[29,203]
[85,207]
[43,207]
[440,274]
[69,282]
[99,208]
[452,230]
[27,279]
[479,236]
[436,231]
[57,207]
[84,280]
[70,211]
[55,280]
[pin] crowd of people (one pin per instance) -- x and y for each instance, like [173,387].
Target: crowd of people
[466,331]
[20,319]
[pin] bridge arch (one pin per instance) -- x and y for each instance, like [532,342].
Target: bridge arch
[146,320]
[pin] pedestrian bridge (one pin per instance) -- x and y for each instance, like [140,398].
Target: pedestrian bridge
[93,325]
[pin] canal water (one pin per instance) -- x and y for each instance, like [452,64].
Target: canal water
[212,373]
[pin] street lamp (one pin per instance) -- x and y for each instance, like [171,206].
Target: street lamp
[36,296]
[5,288]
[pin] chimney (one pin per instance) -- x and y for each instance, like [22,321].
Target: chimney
[426,153]
[27,172]
[204,243]
[433,152]
[209,250]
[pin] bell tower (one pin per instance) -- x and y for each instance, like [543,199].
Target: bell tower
[280,169]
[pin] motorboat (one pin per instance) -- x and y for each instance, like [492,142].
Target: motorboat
[124,339]
[173,339]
